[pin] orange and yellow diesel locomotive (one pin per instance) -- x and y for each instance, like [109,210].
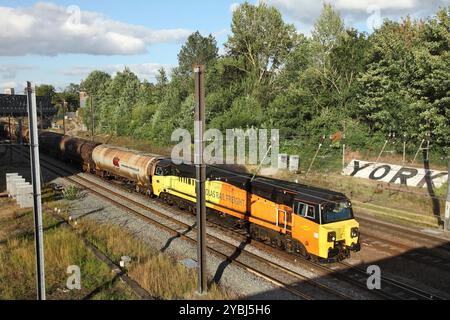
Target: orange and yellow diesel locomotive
[298,218]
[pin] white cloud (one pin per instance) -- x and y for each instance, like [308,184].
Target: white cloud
[234,6]
[146,71]
[10,71]
[49,29]
[9,84]
[305,12]
[221,32]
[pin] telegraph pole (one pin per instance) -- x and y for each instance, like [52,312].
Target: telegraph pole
[447,202]
[343,152]
[42,116]
[200,169]
[64,116]
[20,131]
[10,139]
[36,180]
[92,117]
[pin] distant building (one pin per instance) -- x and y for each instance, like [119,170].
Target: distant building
[10,91]
[83,98]
[70,115]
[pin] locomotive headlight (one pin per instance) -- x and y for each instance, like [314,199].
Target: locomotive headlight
[354,232]
[331,236]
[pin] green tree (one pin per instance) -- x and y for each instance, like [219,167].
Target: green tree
[406,85]
[384,97]
[71,95]
[260,42]
[96,82]
[45,90]
[197,50]
[330,44]
[96,85]
[122,97]
[430,80]
[328,29]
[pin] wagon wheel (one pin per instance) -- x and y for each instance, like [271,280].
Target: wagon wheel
[149,192]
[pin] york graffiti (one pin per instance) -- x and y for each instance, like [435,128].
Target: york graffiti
[390,173]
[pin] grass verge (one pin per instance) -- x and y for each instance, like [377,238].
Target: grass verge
[162,276]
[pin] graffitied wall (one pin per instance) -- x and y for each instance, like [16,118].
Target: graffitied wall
[391,173]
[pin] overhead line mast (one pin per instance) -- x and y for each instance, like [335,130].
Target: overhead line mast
[200,168]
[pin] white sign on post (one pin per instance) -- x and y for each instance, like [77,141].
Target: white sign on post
[391,173]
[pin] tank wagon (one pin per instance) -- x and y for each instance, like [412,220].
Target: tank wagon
[3,130]
[78,151]
[49,142]
[24,134]
[130,165]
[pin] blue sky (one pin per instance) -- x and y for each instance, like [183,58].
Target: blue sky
[59,42]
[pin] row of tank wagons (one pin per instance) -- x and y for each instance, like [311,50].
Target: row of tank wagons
[70,149]
[104,160]
[91,156]
[75,150]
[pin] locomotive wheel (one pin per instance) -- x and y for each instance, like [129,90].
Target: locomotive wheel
[300,249]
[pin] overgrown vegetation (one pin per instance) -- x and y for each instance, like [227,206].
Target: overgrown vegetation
[162,276]
[395,81]
[72,193]
[62,249]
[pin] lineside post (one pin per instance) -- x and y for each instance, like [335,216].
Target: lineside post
[200,169]
[42,116]
[20,131]
[447,202]
[36,180]
[343,153]
[92,118]
[10,139]
[64,116]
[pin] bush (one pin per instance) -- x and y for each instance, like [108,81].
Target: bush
[72,193]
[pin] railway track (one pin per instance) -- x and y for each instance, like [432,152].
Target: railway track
[407,233]
[416,254]
[280,276]
[392,289]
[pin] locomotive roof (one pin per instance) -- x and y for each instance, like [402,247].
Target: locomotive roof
[270,188]
[306,192]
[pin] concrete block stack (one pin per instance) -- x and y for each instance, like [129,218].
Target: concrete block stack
[20,190]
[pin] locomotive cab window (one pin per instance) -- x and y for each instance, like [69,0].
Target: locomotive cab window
[159,171]
[174,171]
[162,171]
[310,212]
[304,210]
[334,212]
